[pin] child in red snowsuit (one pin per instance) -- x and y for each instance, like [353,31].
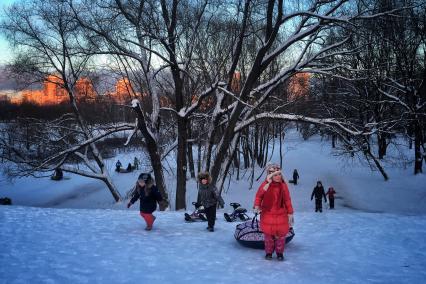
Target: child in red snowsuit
[273,202]
[331,192]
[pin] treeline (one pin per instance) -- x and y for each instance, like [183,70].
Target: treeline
[94,112]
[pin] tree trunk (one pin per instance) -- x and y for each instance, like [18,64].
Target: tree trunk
[181,164]
[112,188]
[255,143]
[418,157]
[381,140]
[87,134]
[199,156]
[190,155]
[154,156]
[379,166]
[281,146]
[238,159]
[367,152]
[265,159]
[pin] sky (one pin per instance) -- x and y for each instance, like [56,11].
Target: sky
[5,49]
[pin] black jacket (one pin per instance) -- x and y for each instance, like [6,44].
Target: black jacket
[318,192]
[148,202]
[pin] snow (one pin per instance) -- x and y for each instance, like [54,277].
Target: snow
[103,246]
[72,232]
[135,103]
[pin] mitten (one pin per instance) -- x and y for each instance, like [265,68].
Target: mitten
[269,177]
[129,204]
[256,210]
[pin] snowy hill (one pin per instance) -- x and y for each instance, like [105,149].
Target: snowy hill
[375,235]
[111,246]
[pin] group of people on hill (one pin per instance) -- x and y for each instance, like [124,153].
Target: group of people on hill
[272,202]
[129,168]
[319,193]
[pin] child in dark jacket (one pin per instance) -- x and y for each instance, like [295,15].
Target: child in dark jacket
[148,195]
[319,193]
[208,197]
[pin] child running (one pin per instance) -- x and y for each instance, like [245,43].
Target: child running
[148,195]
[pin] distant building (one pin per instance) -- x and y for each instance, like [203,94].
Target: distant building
[53,92]
[84,90]
[16,98]
[123,91]
[4,98]
[298,86]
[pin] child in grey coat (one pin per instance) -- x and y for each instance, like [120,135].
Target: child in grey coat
[208,197]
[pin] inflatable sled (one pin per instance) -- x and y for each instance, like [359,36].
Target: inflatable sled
[249,234]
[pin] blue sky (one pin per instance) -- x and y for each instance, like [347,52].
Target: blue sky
[5,51]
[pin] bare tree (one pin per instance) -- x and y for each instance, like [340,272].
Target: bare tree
[48,34]
[303,46]
[161,40]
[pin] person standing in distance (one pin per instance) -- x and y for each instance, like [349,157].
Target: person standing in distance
[319,193]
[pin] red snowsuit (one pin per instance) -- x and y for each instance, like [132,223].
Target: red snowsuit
[275,204]
[331,192]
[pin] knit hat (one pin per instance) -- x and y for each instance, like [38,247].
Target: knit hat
[145,177]
[204,175]
[273,166]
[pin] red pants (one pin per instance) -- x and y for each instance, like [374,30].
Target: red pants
[274,243]
[149,219]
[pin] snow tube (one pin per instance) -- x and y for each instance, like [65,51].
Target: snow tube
[249,234]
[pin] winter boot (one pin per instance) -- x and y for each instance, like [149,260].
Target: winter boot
[268,256]
[211,229]
[280,256]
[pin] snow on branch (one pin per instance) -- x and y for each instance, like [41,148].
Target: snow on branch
[229,93]
[189,110]
[382,14]
[296,37]
[84,143]
[134,131]
[395,99]
[80,172]
[348,128]
[136,105]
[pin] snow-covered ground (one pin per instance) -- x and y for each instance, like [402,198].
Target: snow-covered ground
[72,235]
